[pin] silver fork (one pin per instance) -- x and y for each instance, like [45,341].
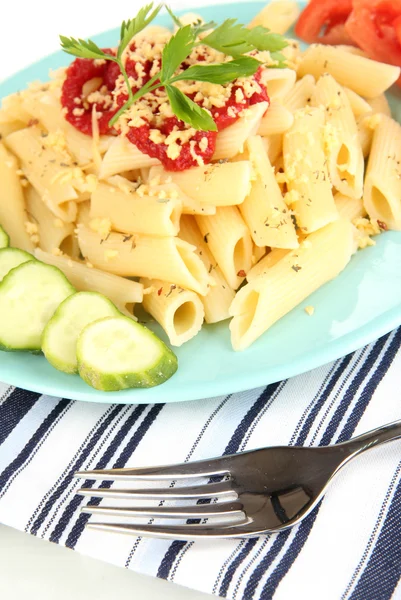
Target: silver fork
[273,489]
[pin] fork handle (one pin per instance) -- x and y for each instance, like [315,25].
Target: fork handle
[371,439]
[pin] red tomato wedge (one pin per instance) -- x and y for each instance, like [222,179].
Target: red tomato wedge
[323,22]
[375,26]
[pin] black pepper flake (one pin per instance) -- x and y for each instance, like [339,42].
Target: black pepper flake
[63,164]
[172,288]
[105,239]
[159,291]
[205,238]
[296,268]
[126,238]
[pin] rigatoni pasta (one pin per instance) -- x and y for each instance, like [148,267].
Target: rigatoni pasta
[180,312]
[134,255]
[268,297]
[130,212]
[349,208]
[229,241]
[53,233]
[231,141]
[123,156]
[343,148]
[278,16]
[366,77]
[264,210]
[306,173]
[300,94]
[218,299]
[382,195]
[277,119]
[124,293]
[218,184]
[13,215]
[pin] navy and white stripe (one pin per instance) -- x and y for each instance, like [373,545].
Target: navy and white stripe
[339,551]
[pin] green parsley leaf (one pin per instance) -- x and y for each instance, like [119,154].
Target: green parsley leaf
[198,27]
[234,39]
[82,48]
[281,60]
[187,110]
[177,49]
[133,26]
[173,16]
[230,38]
[222,73]
[263,39]
[201,27]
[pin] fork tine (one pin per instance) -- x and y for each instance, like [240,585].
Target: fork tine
[212,490]
[233,509]
[199,468]
[180,532]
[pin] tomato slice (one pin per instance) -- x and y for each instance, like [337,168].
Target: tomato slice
[375,25]
[323,22]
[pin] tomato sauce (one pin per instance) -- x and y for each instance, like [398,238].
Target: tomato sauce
[78,111]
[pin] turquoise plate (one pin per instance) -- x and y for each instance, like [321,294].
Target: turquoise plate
[362,304]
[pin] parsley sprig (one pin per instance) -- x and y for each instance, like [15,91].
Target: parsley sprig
[230,38]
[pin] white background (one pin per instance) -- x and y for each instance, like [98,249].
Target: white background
[30,567]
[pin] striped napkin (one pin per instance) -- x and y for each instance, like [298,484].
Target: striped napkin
[348,548]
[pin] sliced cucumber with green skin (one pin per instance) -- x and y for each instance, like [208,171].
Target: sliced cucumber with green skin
[59,340]
[4,239]
[29,295]
[117,353]
[10,258]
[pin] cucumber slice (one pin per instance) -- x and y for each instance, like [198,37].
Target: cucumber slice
[4,239]
[11,258]
[59,340]
[117,353]
[29,295]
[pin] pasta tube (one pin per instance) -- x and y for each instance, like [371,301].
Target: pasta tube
[277,119]
[278,16]
[229,241]
[301,94]
[382,195]
[135,255]
[124,293]
[124,156]
[46,107]
[366,77]
[231,141]
[264,210]
[306,171]
[279,82]
[130,212]
[349,208]
[180,312]
[220,295]
[343,148]
[218,184]
[274,147]
[53,233]
[13,214]
[359,105]
[46,170]
[261,303]
[268,261]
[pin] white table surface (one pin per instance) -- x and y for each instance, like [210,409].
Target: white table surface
[30,567]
